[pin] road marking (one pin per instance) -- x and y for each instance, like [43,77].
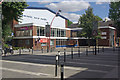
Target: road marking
[66,67]
[74,62]
[42,65]
[25,72]
[93,64]
[97,71]
[25,63]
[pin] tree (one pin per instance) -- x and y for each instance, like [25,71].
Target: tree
[86,22]
[69,23]
[11,11]
[114,14]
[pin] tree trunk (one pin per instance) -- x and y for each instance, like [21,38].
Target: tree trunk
[88,42]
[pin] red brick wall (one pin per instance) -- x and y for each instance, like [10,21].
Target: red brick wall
[104,42]
[14,23]
[34,31]
[68,33]
[66,23]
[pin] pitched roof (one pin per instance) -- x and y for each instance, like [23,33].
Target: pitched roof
[108,23]
[44,8]
[73,25]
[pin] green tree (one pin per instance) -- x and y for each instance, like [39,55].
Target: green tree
[86,22]
[69,23]
[11,11]
[114,14]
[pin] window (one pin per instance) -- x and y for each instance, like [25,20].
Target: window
[104,37]
[103,33]
[30,32]
[23,33]
[17,33]
[38,31]
[27,42]
[62,33]
[55,32]
[42,31]
[43,44]
[51,42]
[57,42]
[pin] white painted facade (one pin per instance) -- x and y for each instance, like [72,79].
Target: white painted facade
[40,17]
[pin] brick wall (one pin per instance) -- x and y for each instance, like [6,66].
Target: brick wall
[68,33]
[34,31]
[22,43]
[104,42]
[66,23]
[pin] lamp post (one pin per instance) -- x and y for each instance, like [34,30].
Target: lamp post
[12,34]
[57,13]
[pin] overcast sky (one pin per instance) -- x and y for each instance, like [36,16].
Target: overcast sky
[74,9]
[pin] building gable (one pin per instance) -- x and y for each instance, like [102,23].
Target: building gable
[41,16]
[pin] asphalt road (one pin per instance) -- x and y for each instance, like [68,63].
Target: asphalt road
[42,65]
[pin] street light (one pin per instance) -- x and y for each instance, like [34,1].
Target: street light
[57,14]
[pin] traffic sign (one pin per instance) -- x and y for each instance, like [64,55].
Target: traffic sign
[95,25]
[95,28]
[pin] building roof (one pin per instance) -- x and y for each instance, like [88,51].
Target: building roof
[73,25]
[31,24]
[107,23]
[45,8]
[106,27]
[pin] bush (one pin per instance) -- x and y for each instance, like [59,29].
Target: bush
[6,46]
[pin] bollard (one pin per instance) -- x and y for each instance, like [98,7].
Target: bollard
[5,52]
[32,50]
[19,51]
[42,49]
[58,57]
[29,49]
[62,72]
[72,53]
[79,51]
[86,51]
[56,65]
[64,55]
[51,50]
[103,49]
[47,49]
[113,48]
[93,51]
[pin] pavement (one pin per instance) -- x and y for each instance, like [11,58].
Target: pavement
[104,65]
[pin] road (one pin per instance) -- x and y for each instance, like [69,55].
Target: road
[42,65]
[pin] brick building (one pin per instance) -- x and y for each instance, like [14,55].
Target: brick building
[31,30]
[108,34]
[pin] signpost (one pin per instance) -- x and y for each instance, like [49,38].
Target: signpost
[47,30]
[95,32]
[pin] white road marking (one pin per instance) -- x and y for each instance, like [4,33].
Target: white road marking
[94,64]
[75,63]
[25,72]
[25,63]
[97,71]
[42,65]
[46,65]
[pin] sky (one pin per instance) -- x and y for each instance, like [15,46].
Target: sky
[74,9]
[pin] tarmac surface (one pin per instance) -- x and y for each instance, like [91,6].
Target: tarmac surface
[104,65]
